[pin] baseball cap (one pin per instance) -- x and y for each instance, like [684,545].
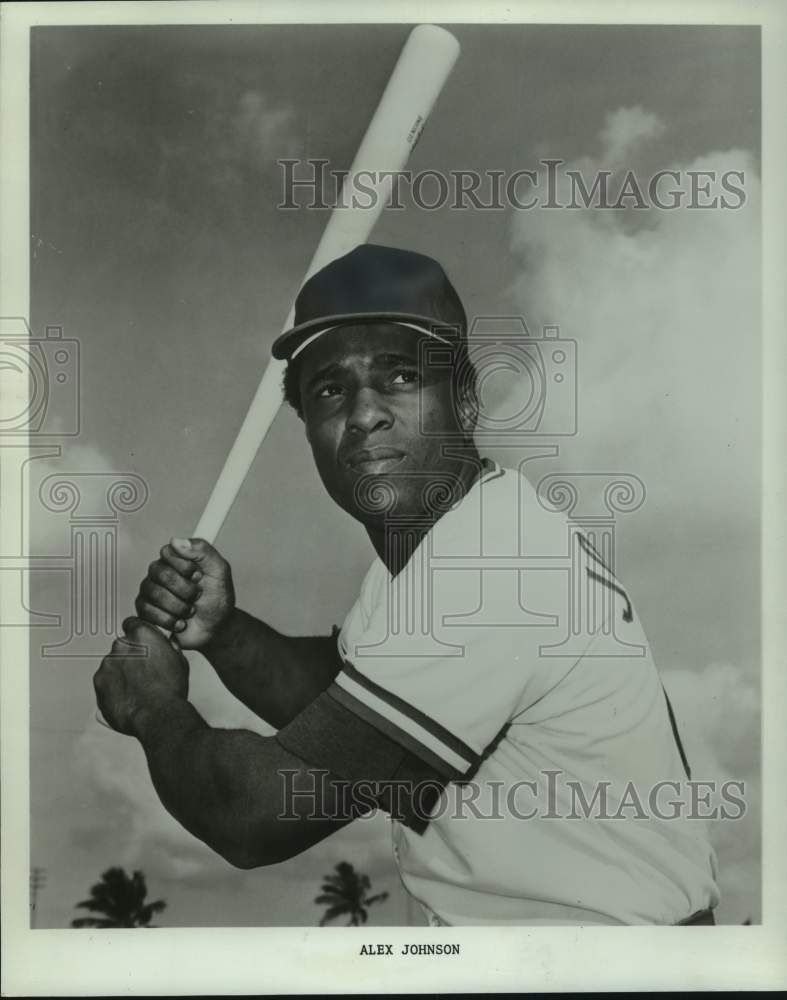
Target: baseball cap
[375,284]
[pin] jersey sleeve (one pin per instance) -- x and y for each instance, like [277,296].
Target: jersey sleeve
[423,667]
[325,735]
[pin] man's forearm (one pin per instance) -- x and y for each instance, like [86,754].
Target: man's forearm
[275,675]
[226,787]
[201,774]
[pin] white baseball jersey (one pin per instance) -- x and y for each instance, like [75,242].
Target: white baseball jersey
[508,659]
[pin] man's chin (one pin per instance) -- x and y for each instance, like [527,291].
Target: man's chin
[375,496]
[401,494]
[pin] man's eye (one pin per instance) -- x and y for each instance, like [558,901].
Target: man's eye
[326,391]
[405,376]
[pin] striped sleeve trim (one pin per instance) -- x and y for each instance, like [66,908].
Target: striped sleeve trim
[445,736]
[404,723]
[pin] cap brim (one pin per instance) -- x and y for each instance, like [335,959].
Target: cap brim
[288,343]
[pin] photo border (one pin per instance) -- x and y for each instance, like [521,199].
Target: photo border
[223,961]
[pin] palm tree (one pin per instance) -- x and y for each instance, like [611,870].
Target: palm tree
[346,892]
[122,901]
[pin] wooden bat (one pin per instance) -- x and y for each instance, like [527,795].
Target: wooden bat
[421,71]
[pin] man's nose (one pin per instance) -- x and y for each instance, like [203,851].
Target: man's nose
[369,412]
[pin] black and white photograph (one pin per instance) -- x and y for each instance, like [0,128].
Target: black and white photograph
[389,441]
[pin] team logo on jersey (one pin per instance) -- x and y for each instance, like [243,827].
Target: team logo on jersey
[607,577]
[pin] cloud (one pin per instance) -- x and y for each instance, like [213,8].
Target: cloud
[162,158]
[263,128]
[88,470]
[626,129]
[241,136]
[79,490]
[717,711]
[664,307]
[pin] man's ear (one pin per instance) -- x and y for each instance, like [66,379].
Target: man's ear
[467,405]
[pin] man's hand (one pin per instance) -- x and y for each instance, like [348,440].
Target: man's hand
[142,671]
[189,591]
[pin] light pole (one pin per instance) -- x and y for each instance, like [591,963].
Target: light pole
[37,883]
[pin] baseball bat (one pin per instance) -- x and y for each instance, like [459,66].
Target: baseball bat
[421,71]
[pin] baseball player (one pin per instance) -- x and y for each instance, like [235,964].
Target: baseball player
[532,771]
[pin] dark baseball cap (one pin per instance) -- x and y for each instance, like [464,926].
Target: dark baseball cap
[375,284]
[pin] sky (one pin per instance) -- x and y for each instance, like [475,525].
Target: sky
[157,244]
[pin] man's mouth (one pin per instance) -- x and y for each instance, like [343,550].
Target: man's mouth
[375,460]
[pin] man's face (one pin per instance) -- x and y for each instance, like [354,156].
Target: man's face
[379,421]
